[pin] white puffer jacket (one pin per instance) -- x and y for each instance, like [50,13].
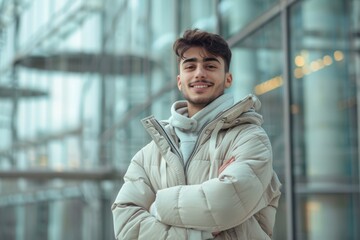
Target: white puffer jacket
[240,203]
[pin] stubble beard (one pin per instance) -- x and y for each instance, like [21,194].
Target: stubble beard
[201,102]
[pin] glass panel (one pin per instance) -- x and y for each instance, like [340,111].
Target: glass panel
[52,210]
[235,14]
[324,111]
[257,68]
[192,14]
[198,14]
[71,105]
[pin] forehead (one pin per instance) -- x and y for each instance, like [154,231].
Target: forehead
[199,54]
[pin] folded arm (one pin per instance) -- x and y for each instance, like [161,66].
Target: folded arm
[131,216]
[227,201]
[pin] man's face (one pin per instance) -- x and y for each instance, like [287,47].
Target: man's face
[202,78]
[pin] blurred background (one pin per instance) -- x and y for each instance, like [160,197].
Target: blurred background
[76,77]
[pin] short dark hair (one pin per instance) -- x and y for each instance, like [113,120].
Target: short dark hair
[213,43]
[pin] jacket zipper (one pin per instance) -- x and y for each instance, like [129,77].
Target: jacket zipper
[174,147]
[200,136]
[219,117]
[162,132]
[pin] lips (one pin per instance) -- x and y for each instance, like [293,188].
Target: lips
[201,84]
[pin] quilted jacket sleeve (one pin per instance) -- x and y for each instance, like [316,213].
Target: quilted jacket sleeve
[131,216]
[240,191]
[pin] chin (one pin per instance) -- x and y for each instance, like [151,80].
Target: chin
[200,101]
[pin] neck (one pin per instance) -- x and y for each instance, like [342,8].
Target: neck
[192,110]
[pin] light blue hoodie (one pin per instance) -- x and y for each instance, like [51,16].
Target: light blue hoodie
[188,129]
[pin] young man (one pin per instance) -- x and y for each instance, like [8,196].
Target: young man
[208,172]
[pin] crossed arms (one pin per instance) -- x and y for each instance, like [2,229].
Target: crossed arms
[214,205]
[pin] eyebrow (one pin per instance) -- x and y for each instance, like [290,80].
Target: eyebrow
[206,59]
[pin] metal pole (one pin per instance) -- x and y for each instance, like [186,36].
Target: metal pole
[289,175]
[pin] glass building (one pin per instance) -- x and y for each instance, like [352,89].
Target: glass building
[76,77]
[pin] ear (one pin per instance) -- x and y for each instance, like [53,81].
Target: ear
[178,82]
[228,79]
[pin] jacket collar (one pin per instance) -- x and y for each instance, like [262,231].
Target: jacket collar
[180,120]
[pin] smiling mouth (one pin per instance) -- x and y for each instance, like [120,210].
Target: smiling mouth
[201,84]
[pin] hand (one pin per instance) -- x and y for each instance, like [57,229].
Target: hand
[225,164]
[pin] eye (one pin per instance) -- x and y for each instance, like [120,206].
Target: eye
[189,67]
[211,66]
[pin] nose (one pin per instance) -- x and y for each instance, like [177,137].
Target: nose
[200,73]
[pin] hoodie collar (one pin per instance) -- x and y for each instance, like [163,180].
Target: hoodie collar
[180,118]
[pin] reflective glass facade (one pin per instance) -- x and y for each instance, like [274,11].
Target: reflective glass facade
[77,76]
